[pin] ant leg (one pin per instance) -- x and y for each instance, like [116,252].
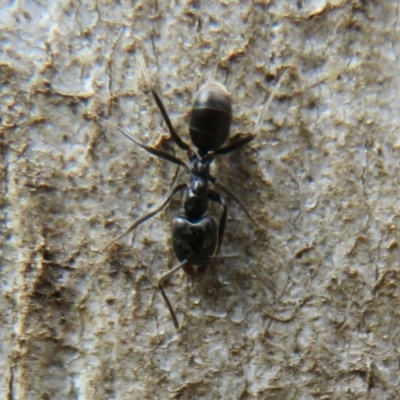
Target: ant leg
[169,305]
[161,279]
[239,203]
[176,174]
[149,149]
[169,273]
[161,107]
[150,214]
[214,196]
[218,199]
[234,146]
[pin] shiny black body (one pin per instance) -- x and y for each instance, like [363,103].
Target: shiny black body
[210,118]
[196,236]
[194,241]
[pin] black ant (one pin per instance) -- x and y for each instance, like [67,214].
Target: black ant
[195,235]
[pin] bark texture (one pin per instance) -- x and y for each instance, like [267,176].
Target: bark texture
[81,322]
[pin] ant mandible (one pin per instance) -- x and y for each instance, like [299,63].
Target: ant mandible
[195,235]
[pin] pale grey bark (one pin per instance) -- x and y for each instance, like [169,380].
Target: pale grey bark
[82,323]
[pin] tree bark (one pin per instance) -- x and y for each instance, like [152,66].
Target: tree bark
[83,322]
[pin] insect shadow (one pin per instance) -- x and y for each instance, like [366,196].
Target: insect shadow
[196,236]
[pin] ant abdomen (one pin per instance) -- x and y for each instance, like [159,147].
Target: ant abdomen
[211,117]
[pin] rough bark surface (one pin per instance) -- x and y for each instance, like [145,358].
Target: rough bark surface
[80,322]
